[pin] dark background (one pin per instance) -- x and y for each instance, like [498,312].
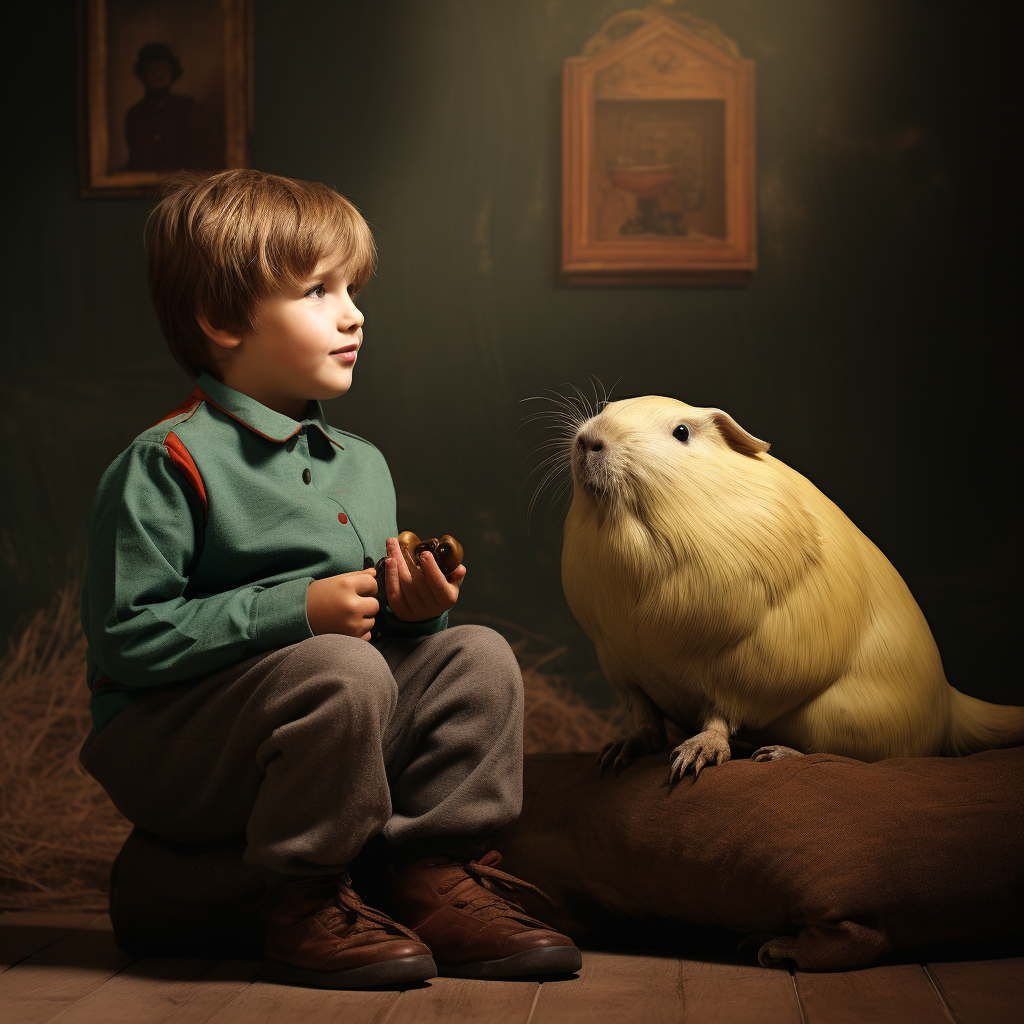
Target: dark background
[871,348]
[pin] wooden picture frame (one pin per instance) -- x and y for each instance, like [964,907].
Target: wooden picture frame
[658,160]
[164,86]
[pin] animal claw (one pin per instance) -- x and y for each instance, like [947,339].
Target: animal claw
[620,754]
[773,753]
[697,752]
[678,770]
[609,755]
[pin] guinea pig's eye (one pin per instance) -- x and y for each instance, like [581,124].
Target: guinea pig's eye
[682,433]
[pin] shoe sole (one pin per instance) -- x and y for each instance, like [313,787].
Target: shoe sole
[403,971]
[544,960]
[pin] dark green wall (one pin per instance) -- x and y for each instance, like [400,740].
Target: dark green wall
[869,349]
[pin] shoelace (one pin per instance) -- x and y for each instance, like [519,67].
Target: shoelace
[487,874]
[345,900]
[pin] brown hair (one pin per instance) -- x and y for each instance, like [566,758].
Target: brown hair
[218,245]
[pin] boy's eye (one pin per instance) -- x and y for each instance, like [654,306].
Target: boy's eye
[317,293]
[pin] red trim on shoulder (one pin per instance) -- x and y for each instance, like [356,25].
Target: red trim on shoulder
[189,405]
[183,460]
[102,684]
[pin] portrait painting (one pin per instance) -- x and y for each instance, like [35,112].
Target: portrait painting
[658,160]
[165,88]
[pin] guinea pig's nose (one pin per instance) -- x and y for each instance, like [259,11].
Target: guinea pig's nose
[595,447]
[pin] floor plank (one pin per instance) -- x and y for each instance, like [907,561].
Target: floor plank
[163,992]
[18,942]
[55,919]
[39,988]
[467,1001]
[982,991]
[899,992]
[66,967]
[289,1004]
[722,993]
[619,987]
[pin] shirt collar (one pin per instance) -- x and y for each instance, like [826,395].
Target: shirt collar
[274,426]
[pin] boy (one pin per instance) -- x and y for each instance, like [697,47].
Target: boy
[229,601]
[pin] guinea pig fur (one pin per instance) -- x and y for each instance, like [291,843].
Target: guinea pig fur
[721,588]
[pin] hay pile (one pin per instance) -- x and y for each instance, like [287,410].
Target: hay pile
[556,718]
[58,831]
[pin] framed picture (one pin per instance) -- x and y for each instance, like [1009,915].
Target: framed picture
[165,86]
[658,158]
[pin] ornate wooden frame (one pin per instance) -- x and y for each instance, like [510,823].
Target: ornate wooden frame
[696,100]
[96,178]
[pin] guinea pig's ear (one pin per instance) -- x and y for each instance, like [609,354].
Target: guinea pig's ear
[735,436]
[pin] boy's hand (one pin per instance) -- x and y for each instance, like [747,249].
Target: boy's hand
[344,604]
[424,595]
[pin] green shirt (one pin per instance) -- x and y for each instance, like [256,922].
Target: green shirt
[206,531]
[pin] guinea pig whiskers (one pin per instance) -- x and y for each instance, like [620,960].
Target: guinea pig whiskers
[563,422]
[590,410]
[566,418]
[568,402]
[581,399]
[606,395]
[553,473]
[559,494]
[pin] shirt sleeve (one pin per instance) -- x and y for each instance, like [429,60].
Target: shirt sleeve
[391,625]
[143,625]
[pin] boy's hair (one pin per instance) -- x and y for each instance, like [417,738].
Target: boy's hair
[218,245]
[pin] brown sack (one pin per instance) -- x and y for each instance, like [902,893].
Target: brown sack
[840,860]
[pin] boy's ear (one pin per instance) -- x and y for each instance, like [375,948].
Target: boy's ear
[218,335]
[735,436]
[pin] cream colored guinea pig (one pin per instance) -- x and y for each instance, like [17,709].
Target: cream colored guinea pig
[721,588]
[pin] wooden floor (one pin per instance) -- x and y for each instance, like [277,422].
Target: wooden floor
[66,968]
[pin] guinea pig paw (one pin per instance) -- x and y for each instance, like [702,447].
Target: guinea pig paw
[620,754]
[774,753]
[608,754]
[616,755]
[703,749]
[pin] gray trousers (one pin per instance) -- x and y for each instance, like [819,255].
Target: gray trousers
[313,749]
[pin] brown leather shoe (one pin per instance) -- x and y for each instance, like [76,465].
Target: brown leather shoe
[320,933]
[474,932]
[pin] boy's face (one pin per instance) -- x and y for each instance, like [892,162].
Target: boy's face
[305,344]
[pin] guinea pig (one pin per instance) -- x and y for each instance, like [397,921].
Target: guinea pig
[722,589]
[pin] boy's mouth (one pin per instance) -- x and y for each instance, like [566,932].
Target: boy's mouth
[347,353]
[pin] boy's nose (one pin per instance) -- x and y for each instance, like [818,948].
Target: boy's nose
[350,319]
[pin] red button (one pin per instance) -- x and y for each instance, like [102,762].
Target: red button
[342,518]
